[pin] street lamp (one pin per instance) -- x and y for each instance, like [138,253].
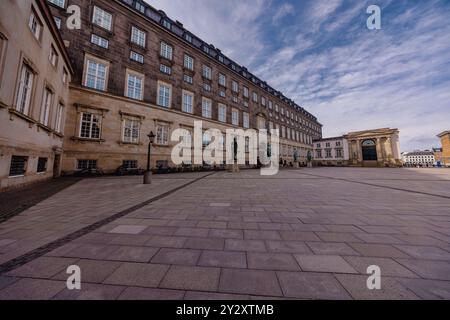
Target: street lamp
[148,172]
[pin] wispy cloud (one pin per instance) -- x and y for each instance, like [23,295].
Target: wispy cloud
[283,11]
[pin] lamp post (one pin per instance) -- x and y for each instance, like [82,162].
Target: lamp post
[148,172]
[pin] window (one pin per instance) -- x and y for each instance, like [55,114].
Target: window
[86,164]
[57,22]
[96,75]
[99,41]
[164,95]
[206,87]
[136,57]
[263,101]
[130,132]
[222,113]
[235,86]
[328,153]
[206,108]
[235,99]
[41,165]
[188,79]
[338,143]
[59,115]
[255,97]
[135,84]
[59,3]
[165,69]
[138,36]
[246,104]
[102,18]
[46,104]
[235,117]
[222,93]
[188,37]
[338,153]
[245,92]
[221,59]
[90,126]
[167,24]
[162,134]
[139,6]
[35,25]
[25,87]
[65,76]
[270,105]
[129,164]
[207,72]
[246,120]
[188,62]
[222,80]
[166,51]
[18,166]
[319,153]
[188,102]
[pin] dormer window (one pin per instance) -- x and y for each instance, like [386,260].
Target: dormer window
[206,49]
[221,59]
[188,37]
[167,24]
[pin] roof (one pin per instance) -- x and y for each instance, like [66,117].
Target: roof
[440,135]
[176,28]
[50,21]
[328,139]
[420,153]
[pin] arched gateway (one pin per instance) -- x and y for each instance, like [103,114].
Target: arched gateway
[369,150]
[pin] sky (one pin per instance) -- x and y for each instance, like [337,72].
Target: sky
[321,54]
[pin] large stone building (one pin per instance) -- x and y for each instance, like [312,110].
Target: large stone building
[34,93]
[419,158]
[137,71]
[370,148]
[445,141]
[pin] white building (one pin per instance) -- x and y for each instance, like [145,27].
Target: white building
[331,152]
[419,158]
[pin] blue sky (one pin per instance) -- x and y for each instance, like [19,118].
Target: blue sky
[321,54]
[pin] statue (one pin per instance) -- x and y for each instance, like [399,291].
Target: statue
[296,165]
[235,166]
[309,157]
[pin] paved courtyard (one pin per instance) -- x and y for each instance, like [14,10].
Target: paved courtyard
[302,234]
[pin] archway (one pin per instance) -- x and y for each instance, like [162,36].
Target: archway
[369,150]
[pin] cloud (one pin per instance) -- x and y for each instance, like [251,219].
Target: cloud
[283,11]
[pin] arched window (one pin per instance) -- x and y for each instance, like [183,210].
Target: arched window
[368,143]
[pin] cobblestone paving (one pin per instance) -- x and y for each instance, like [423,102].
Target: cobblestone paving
[303,234]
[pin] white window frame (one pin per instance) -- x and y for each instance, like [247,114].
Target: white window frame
[102,18]
[47,101]
[99,41]
[246,120]
[188,62]
[134,85]
[164,95]
[59,118]
[207,72]
[162,133]
[94,120]
[222,112]
[131,130]
[97,77]
[235,86]
[24,92]
[138,37]
[166,51]
[222,80]
[58,3]
[35,25]
[188,102]
[235,117]
[206,108]
[137,57]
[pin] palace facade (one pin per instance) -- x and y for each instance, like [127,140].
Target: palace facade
[137,71]
[35,72]
[370,148]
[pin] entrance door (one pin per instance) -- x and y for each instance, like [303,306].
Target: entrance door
[369,150]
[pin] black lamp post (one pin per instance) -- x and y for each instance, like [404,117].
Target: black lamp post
[148,172]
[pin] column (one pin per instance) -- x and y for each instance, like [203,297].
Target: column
[379,147]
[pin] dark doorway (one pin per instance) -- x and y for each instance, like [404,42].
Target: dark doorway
[369,150]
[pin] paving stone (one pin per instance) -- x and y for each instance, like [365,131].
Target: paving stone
[128,229]
[261,235]
[160,231]
[287,247]
[224,259]
[177,256]
[424,252]
[323,263]
[90,291]
[44,267]
[192,232]
[272,261]
[6,281]
[226,234]
[91,251]
[130,240]
[388,266]
[32,289]
[205,243]
[299,236]
[331,248]
[132,254]
[138,274]
[198,295]
[133,293]
[255,282]
[438,270]
[5,242]
[338,237]
[212,224]
[93,271]
[245,245]
[428,289]
[390,288]
[309,285]
[378,250]
[166,242]
[191,278]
